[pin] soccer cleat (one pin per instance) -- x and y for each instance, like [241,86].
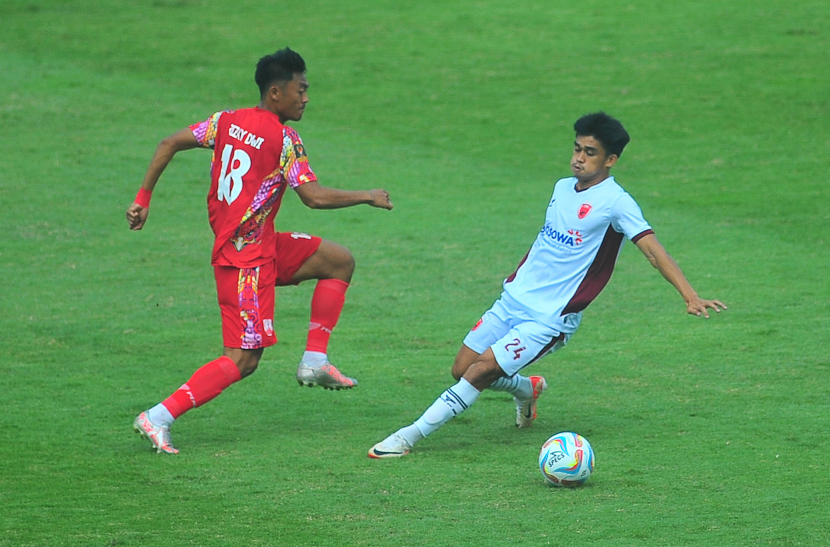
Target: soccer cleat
[393,446]
[158,435]
[326,376]
[526,409]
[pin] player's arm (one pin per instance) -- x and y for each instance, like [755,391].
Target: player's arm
[167,148]
[668,268]
[321,197]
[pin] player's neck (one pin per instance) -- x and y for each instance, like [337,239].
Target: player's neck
[264,106]
[582,185]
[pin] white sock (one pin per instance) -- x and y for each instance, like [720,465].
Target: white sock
[519,386]
[411,433]
[159,415]
[315,359]
[450,404]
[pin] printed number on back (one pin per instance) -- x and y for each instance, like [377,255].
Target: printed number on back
[235,164]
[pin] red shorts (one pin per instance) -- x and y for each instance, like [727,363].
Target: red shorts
[246,295]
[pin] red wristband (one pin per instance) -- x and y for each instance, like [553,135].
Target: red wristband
[143,198]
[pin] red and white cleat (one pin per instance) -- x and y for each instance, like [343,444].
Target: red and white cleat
[326,376]
[526,409]
[158,435]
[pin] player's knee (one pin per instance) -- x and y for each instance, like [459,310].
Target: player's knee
[463,359]
[342,265]
[246,361]
[459,367]
[347,262]
[247,368]
[482,373]
[337,262]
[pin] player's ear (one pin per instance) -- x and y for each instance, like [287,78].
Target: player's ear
[611,160]
[274,92]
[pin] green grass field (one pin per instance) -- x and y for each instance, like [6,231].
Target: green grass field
[706,432]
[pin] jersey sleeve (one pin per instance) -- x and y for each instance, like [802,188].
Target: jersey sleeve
[627,218]
[205,132]
[293,161]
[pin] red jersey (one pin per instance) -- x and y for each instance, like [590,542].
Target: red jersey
[254,156]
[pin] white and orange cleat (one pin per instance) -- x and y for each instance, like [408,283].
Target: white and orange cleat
[158,435]
[393,446]
[526,409]
[326,376]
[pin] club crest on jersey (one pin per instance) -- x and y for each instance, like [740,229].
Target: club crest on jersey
[584,210]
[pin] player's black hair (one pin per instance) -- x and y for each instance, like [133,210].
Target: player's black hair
[278,67]
[604,128]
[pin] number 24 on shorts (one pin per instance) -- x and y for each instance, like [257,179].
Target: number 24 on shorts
[514,346]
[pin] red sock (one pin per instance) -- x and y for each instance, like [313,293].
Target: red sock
[205,384]
[326,305]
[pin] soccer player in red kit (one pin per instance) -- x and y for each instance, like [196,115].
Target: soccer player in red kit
[255,157]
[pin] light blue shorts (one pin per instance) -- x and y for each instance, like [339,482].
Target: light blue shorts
[516,339]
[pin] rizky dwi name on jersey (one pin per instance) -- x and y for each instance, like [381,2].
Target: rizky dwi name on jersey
[242,135]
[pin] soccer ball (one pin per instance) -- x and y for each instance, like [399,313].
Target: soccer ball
[566,459]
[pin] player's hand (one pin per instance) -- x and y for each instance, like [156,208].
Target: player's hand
[137,216]
[380,198]
[698,306]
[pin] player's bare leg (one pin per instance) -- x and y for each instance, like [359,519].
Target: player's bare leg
[246,360]
[525,390]
[333,265]
[463,360]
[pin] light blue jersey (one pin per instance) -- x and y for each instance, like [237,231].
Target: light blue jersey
[574,254]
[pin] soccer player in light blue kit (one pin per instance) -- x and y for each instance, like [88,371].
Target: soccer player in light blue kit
[541,305]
